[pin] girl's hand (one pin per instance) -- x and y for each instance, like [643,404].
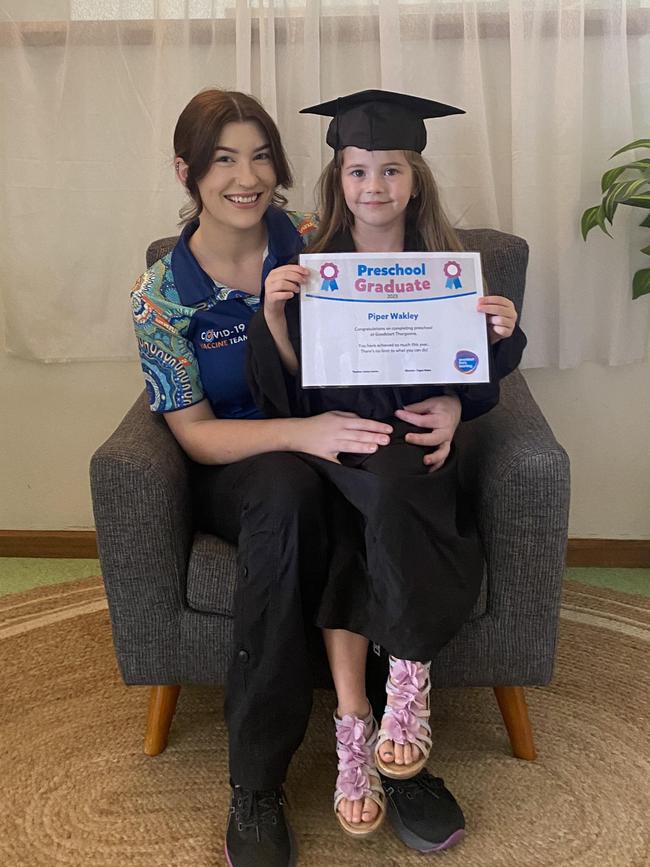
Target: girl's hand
[441,415]
[501,316]
[281,285]
[328,434]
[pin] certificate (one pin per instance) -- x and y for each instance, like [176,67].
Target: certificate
[392,319]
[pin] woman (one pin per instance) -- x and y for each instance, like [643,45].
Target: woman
[191,312]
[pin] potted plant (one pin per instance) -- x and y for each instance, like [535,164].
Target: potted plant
[624,185]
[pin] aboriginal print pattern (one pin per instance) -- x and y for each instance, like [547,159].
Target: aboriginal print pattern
[166,355]
[166,377]
[306,225]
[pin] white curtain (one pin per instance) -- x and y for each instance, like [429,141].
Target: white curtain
[90,91]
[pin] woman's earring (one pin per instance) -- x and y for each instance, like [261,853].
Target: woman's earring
[182,170]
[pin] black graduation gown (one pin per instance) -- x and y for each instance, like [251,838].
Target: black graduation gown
[406,563]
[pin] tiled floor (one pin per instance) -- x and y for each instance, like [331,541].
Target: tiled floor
[18,574]
[626,580]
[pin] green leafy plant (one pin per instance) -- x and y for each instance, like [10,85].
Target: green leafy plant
[624,185]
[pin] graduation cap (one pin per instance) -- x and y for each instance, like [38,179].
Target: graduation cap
[379,120]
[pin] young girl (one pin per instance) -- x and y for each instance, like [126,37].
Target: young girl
[409,578]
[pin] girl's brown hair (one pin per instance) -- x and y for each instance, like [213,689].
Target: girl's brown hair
[197,134]
[424,213]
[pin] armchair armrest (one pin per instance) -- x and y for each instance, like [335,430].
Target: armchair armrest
[141,501]
[518,476]
[495,444]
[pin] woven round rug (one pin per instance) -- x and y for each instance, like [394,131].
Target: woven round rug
[76,788]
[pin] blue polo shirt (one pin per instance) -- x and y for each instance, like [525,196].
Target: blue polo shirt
[192,332]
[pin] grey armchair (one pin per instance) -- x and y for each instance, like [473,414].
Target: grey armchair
[170,588]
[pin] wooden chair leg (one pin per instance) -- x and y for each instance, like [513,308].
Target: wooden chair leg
[512,703]
[162,704]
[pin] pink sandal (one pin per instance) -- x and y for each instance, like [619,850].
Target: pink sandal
[358,778]
[406,720]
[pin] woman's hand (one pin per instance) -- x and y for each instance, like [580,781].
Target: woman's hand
[210,440]
[328,434]
[441,415]
[501,316]
[281,285]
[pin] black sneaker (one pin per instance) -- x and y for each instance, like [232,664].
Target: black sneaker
[423,812]
[258,834]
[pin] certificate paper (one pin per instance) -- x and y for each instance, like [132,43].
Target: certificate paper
[392,319]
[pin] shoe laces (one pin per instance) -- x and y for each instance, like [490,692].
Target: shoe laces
[415,786]
[255,808]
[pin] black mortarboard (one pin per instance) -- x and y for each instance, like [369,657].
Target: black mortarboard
[379,120]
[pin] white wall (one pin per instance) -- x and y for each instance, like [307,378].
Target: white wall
[601,415]
[53,417]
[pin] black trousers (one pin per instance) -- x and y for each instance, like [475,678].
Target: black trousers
[277,508]
[272,507]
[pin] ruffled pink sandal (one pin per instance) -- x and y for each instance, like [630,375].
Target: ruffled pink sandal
[358,778]
[406,718]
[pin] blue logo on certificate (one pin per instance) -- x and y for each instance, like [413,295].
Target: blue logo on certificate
[466,361]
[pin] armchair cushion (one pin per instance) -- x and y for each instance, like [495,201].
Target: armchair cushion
[212,575]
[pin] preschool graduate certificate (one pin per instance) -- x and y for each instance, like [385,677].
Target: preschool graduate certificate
[392,319]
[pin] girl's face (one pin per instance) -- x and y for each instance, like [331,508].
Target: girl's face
[377,186]
[240,183]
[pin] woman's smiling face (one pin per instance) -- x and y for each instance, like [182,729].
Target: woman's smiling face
[377,186]
[241,180]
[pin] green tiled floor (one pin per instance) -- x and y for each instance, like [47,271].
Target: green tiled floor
[22,573]
[626,580]
[18,574]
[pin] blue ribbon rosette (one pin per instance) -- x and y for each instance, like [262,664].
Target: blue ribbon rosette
[452,273]
[329,272]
